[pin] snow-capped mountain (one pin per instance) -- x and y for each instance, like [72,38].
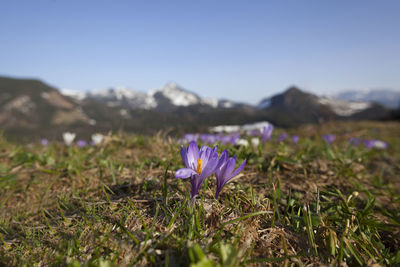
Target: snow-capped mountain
[181,97]
[123,97]
[385,97]
[167,97]
[172,95]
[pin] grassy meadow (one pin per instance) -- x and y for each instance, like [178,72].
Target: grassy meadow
[119,204]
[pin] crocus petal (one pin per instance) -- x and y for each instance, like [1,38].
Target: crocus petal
[222,159]
[207,156]
[329,138]
[221,175]
[282,137]
[210,167]
[184,157]
[204,155]
[192,155]
[225,173]
[230,166]
[239,169]
[221,168]
[184,173]
[266,133]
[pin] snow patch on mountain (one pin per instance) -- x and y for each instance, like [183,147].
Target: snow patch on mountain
[225,129]
[118,93]
[256,126]
[226,103]
[124,96]
[79,95]
[240,128]
[213,102]
[344,108]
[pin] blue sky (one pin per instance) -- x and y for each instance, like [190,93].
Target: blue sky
[240,50]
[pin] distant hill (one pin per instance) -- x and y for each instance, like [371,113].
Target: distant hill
[32,109]
[295,107]
[28,106]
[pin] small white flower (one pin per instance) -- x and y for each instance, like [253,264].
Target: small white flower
[380,144]
[255,141]
[242,142]
[68,138]
[97,138]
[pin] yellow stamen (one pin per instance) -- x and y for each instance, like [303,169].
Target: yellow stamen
[199,166]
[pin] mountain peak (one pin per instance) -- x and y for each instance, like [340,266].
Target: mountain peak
[179,96]
[293,90]
[172,85]
[292,97]
[288,97]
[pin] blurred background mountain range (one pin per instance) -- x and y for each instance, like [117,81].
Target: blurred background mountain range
[31,109]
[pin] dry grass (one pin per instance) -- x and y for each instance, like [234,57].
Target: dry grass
[119,203]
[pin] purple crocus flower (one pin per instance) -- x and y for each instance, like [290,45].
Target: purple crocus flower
[204,138]
[281,137]
[191,137]
[254,132]
[225,172]
[233,138]
[375,144]
[199,165]
[295,139]
[354,141]
[329,138]
[81,143]
[208,138]
[44,142]
[225,139]
[229,139]
[369,143]
[266,133]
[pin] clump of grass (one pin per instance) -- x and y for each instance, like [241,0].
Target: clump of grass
[119,204]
